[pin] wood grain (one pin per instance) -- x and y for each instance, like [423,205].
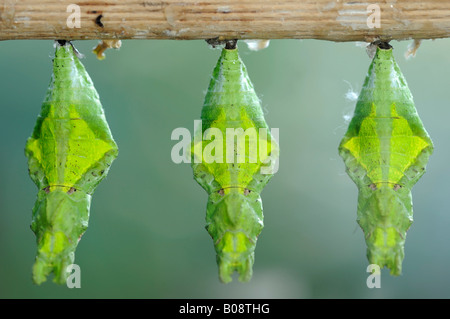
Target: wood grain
[334,20]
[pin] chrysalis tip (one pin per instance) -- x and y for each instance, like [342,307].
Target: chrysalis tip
[371,49]
[62,43]
[218,42]
[231,44]
[384,45]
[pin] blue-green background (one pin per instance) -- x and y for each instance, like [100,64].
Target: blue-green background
[146,237]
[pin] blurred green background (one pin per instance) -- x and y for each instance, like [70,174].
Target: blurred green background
[146,237]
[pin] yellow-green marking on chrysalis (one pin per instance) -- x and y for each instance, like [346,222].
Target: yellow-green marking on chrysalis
[69,153]
[386,149]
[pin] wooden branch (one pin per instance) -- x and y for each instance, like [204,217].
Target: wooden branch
[335,20]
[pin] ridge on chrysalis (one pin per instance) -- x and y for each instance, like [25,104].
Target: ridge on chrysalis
[234,217]
[385,150]
[69,152]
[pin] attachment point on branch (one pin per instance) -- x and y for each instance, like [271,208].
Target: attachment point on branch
[372,47]
[68,42]
[62,42]
[229,44]
[384,45]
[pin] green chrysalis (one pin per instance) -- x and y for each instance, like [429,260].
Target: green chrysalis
[69,153]
[385,150]
[233,182]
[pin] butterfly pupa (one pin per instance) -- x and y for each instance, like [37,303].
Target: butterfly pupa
[234,217]
[385,150]
[69,152]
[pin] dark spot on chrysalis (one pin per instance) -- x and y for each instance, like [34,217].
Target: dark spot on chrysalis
[247,192]
[373,187]
[397,187]
[221,192]
[71,190]
[47,189]
[98,20]
[101,172]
